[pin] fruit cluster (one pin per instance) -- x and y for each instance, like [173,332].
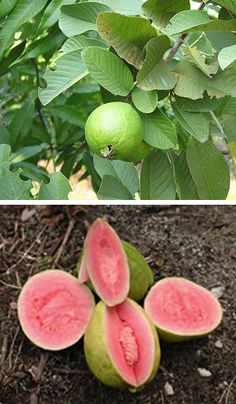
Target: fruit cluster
[121,342]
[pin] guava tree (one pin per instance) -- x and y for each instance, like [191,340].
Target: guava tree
[173,61]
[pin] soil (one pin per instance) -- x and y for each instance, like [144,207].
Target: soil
[191,241]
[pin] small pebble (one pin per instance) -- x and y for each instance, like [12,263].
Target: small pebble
[218,291]
[218,344]
[168,389]
[204,372]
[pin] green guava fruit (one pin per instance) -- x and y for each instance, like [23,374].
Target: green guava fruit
[114,131]
[54,309]
[141,275]
[121,346]
[105,263]
[182,310]
[141,152]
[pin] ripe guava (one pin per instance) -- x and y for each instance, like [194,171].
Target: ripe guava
[141,275]
[54,309]
[106,263]
[114,131]
[121,345]
[182,310]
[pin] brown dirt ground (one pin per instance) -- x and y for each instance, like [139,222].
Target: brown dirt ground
[195,242]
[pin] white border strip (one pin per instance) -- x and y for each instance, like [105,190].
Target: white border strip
[120,202]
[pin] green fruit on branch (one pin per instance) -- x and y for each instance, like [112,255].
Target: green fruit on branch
[115,131]
[121,346]
[182,310]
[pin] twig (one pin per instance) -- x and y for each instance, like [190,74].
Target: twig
[180,41]
[66,237]
[40,112]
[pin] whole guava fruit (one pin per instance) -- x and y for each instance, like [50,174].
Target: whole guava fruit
[121,346]
[182,310]
[141,275]
[114,130]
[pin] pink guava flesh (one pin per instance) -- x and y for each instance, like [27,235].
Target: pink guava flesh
[181,307]
[54,309]
[130,342]
[106,263]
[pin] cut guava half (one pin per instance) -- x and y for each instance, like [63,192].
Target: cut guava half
[121,345]
[54,309]
[141,275]
[182,310]
[105,263]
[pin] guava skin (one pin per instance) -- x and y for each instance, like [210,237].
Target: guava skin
[141,153]
[114,130]
[141,275]
[97,355]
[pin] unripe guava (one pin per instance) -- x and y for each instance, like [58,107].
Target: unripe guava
[121,345]
[115,131]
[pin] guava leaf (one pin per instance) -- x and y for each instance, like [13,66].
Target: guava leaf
[121,170]
[112,189]
[144,101]
[160,12]
[155,74]
[58,188]
[209,170]
[108,70]
[78,18]
[159,131]
[157,178]
[227,56]
[186,187]
[70,69]
[127,35]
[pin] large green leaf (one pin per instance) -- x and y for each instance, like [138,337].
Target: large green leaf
[58,188]
[197,21]
[195,123]
[229,4]
[52,13]
[159,130]
[208,169]
[113,189]
[144,101]
[5,151]
[81,42]
[127,35]
[155,74]
[11,57]
[68,114]
[122,171]
[205,104]
[27,152]
[108,70]
[12,186]
[21,122]
[160,12]
[70,69]
[186,187]
[122,6]
[6,6]
[193,83]
[157,179]
[23,12]
[78,18]
[227,56]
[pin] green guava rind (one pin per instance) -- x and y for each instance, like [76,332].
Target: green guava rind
[115,125]
[141,275]
[172,337]
[141,152]
[97,355]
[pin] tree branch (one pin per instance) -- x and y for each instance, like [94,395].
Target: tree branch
[180,41]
